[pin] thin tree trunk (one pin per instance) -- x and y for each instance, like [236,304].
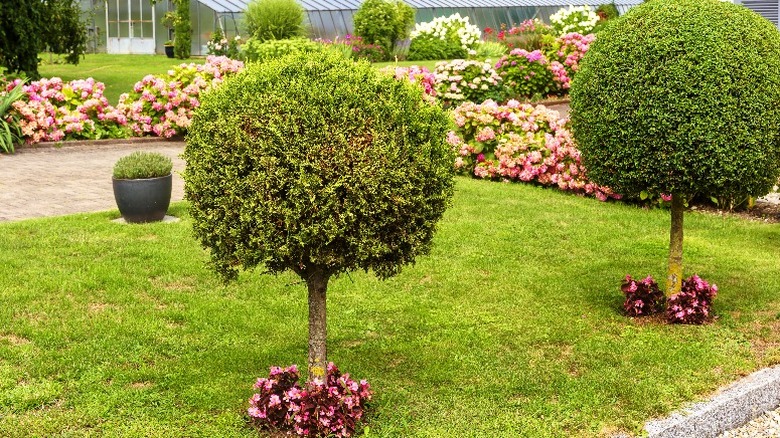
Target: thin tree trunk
[317,283]
[674,278]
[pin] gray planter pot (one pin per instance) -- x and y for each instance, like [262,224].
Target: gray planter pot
[143,200]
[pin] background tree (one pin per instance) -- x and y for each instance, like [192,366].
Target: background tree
[384,22]
[62,30]
[319,165]
[20,40]
[680,97]
[28,27]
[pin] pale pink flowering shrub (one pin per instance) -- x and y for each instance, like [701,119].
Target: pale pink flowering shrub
[466,81]
[693,304]
[323,408]
[415,74]
[643,297]
[520,142]
[53,110]
[163,105]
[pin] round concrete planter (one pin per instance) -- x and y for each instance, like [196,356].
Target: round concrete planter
[143,200]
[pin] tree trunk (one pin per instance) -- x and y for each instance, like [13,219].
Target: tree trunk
[317,283]
[674,277]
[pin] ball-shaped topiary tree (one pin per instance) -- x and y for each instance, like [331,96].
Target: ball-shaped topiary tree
[319,165]
[681,97]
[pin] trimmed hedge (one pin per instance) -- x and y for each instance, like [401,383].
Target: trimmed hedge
[681,96]
[315,162]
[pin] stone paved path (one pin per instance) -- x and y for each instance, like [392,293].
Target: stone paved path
[53,181]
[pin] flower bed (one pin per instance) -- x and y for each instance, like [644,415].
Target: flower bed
[53,110]
[163,105]
[520,142]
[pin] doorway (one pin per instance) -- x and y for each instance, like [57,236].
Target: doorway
[130,27]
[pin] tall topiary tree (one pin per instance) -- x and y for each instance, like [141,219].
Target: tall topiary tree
[681,97]
[319,165]
[182,30]
[384,22]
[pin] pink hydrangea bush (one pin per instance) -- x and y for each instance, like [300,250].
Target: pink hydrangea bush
[415,74]
[643,297]
[567,51]
[163,105]
[693,304]
[520,142]
[460,81]
[545,72]
[526,74]
[54,110]
[329,408]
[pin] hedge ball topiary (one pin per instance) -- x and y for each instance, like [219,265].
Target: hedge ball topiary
[681,97]
[320,165]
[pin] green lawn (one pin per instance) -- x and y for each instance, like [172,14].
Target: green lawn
[118,72]
[511,327]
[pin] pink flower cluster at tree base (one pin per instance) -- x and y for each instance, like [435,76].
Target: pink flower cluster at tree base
[322,408]
[164,105]
[692,305]
[643,297]
[520,142]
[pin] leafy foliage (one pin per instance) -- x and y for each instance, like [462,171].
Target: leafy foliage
[350,168]
[643,297]
[20,39]
[328,407]
[63,31]
[139,165]
[384,22]
[10,132]
[680,97]
[274,19]
[256,50]
[526,74]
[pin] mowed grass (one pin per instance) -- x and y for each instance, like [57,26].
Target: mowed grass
[118,72]
[511,327]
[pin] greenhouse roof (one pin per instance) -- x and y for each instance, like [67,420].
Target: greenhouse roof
[236,6]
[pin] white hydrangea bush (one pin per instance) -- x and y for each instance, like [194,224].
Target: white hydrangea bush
[455,33]
[579,19]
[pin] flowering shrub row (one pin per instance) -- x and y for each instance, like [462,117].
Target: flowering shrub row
[354,47]
[515,142]
[53,110]
[692,305]
[322,408]
[530,35]
[163,105]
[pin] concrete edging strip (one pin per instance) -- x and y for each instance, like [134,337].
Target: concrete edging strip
[731,407]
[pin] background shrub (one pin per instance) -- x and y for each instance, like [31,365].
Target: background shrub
[139,165]
[680,97]
[345,167]
[526,75]
[383,22]
[255,50]
[454,34]
[580,19]
[530,35]
[274,19]
[182,30]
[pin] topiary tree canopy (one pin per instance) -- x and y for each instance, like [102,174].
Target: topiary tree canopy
[681,97]
[319,165]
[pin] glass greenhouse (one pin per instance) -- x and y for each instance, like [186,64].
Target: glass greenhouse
[135,26]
